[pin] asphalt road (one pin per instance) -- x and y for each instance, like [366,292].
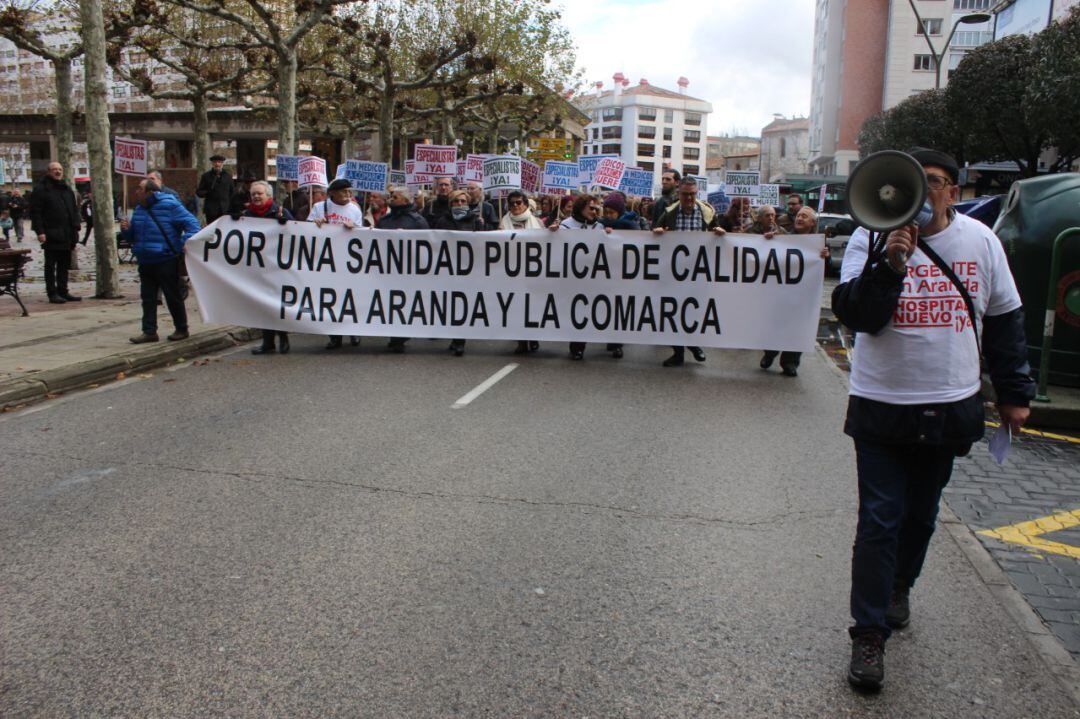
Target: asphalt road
[325,535]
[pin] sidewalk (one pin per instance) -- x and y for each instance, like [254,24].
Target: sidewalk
[64,347]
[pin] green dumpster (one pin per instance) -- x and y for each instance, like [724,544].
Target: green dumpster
[1036,211]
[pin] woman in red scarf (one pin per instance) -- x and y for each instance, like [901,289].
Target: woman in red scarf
[262,205]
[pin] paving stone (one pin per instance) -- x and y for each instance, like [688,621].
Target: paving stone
[1029,584]
[1068,633]
[1069,604]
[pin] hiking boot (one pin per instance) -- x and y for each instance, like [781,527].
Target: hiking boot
[178,335]
[143,338]
[898,615]
[867,668]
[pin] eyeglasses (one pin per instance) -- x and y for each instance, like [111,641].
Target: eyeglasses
[459,201]
[937,182]
[514,203]
[687,194]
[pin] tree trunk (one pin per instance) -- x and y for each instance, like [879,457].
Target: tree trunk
[97,142]
[493,141]
[202,132]
[347,142]
[386,130]
[286,109]
[64,116]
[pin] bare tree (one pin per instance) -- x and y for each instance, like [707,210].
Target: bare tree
[48,30]
[278,27]
[97,143]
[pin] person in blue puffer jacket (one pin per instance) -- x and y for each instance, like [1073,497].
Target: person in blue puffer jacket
[158,229]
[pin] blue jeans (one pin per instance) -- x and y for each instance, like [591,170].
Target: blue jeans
[899,490]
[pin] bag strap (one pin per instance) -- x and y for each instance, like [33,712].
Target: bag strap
[948,272]
[164,234]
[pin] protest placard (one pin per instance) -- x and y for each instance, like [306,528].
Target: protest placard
[3,172]
[530,176]
[129,156]
[502,172]
[637,182]
[459,177]
[436,160]
[768,195]
[474,168]
[587,167]
[397,177]
[742,184]
[288,167]
[577,285]
[702,185]
[366,176]
[339,172]
[560,177]
[609,172]
[312,171]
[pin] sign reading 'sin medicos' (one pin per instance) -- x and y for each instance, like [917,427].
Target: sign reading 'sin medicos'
[688,288]
[742,184]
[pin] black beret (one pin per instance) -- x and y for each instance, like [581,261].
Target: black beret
[217,158]
[339,184]
[925,156]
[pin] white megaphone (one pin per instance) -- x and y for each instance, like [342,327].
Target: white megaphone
[887,190]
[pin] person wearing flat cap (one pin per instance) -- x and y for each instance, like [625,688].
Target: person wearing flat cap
[215,188]
[923,309]
[338,209]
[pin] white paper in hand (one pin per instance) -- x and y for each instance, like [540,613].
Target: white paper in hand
[1001,443]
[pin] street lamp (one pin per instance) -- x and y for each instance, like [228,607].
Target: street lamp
[974,18]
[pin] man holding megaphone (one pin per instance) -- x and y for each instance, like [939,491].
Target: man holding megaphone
[926,290]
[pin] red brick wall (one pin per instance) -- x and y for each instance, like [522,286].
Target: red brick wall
[866,33]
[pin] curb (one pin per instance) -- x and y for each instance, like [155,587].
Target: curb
[29,388]
[1058,659]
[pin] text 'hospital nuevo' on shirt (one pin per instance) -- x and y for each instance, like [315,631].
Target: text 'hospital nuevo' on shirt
[926,353]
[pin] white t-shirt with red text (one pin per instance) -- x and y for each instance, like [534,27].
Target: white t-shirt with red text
[336,214]
[926,353]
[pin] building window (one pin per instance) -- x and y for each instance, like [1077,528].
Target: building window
[690,169]
[971,38]
[647,166]
[647,133]
[669,116]
[971,4]
[612,149]
[119,90]
[783,147]
[647,114]
[596,133]
[611,113]
[612,132]
[667,150]
[691,153]
[692,136]
[667,134]
[924,63]
[930,26]
[646,150]
[693,118]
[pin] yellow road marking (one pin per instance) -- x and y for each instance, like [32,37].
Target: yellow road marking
[1037,433]
[1028,534]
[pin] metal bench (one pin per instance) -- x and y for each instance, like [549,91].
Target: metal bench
[11,269]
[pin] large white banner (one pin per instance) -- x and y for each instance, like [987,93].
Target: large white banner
[681,288]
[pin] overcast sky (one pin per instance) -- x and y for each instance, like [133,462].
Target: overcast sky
[749,59]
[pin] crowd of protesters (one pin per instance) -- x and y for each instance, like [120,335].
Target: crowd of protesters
[161,223]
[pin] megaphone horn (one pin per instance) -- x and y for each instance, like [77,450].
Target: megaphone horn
[887,191]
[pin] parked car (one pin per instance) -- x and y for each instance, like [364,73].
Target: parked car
[837,230]
[985,209]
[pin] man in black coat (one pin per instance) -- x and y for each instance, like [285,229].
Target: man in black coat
[215,187]
[55,218]
[401,216]
[17,207]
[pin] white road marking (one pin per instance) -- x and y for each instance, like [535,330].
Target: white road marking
[484,386]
